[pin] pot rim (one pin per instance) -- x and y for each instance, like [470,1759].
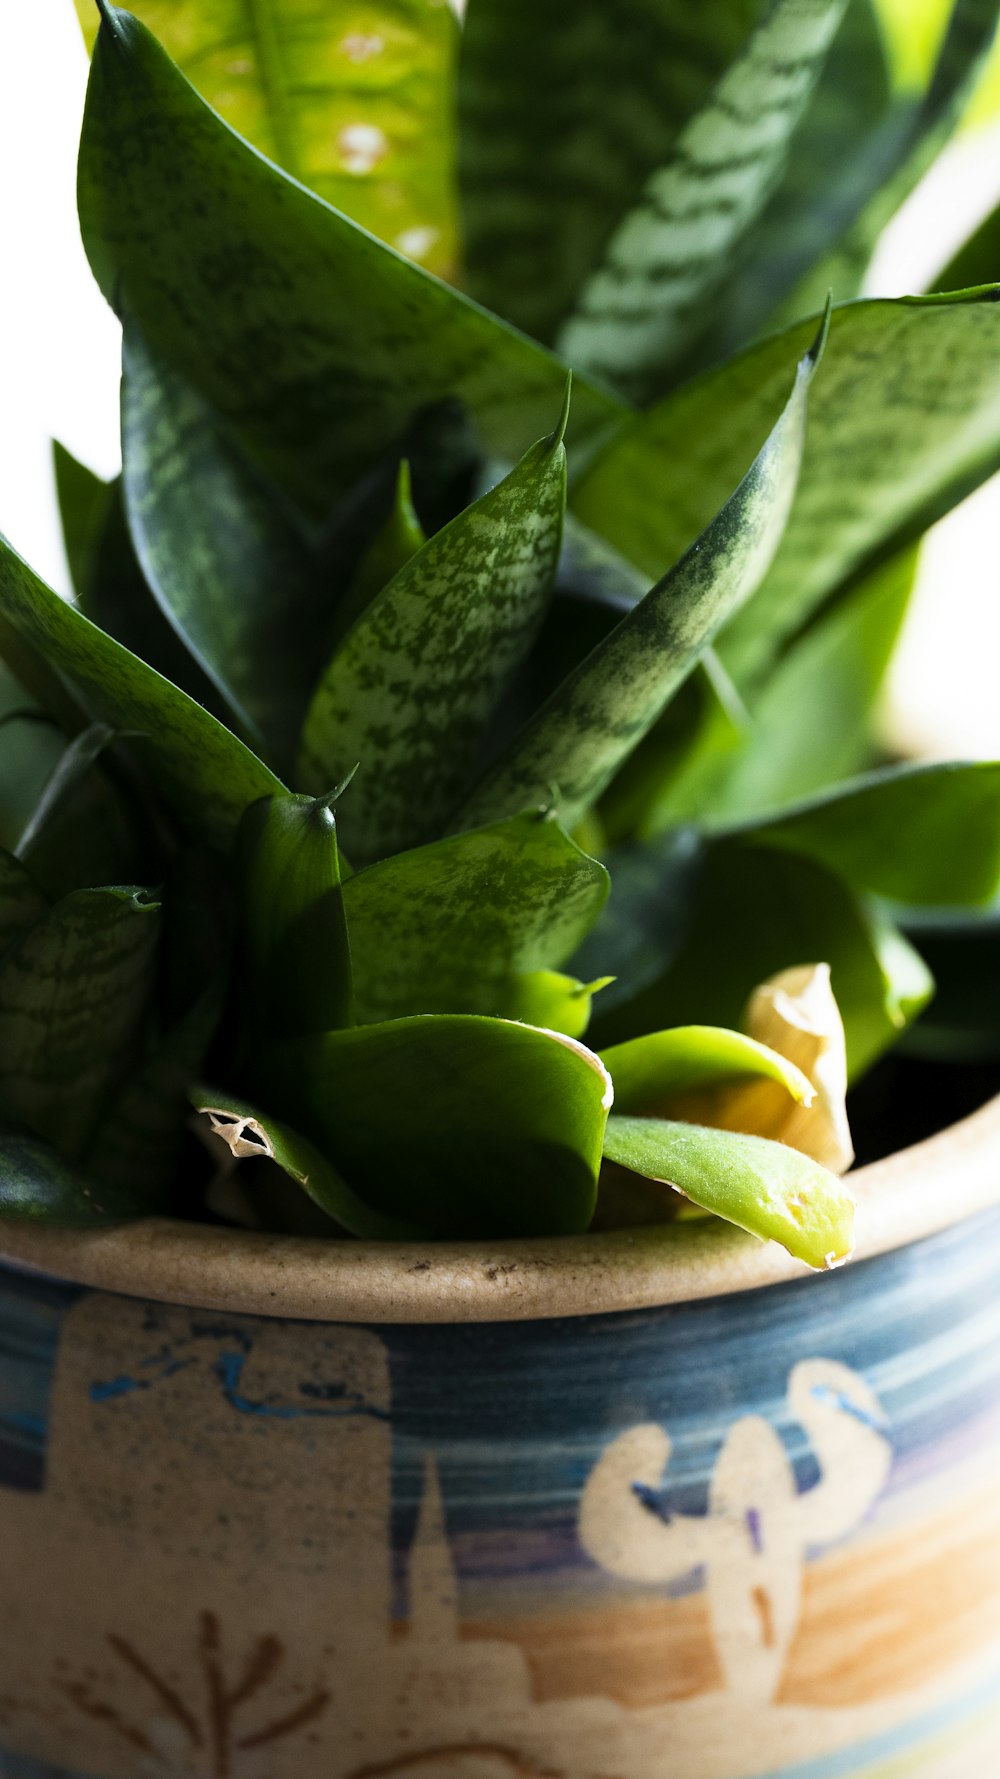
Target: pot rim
[915,1193]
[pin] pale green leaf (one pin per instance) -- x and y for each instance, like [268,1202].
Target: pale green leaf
[650,1071]
[209,776]
[669,258]
[349,99]
[766,1188]
[478,1127]
[412,686]
[916,834]
[574,745]
[452,927]
[315,344]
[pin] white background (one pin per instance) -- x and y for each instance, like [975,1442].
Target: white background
[59,372]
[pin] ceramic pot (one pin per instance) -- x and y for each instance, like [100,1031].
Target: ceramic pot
[645,1506]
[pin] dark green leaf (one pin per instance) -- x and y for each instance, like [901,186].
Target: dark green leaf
[481,1127]
[962,1023]
[36,1185]
[293,920]
[977,260]
[348,99]
[563,115]
[83,510]
[756,911]
[450,927]
[668,258]
[578,740]
[207,774]
[910,833]
[645,922]
[238,584]
[313,342]
[397,539]
[772,1191]
[77,759]
[252,1135]
[21,902]
[649,1072]
[74,1000]
[412,686]
[904,421]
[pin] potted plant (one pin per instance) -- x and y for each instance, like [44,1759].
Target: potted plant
[410,1361]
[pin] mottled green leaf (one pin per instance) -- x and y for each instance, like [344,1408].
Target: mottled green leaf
[672,776]
[918,834]
[410,689]
[252,1135]
[668,259]
[650,1071]
[239,584]
[315,344]
[292,915]
[21,901]
[478,1127]
[74,998]
[846,134]
[577,741]
[349,99]
[774,1192]
[37,1186]
[209,776]
[904,421]
[448,928]
[755,911]
[562,118]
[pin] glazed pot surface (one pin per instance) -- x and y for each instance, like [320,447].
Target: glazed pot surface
[752,1535]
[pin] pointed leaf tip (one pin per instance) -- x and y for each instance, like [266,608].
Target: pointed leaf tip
[818,347]
[560,432]
[332,797]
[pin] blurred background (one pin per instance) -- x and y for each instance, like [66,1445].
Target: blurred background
[59,350]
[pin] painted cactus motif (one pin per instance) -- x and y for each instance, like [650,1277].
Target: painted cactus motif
[755,1537]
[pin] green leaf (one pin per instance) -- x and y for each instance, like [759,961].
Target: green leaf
[316,345]
[109,584]
[203,770]
[21,902]
[962,1023]
[292,916]
[593,721]
[646,920]
[396,541]
[348,99]
[83,509]
[562,118]
[239,585]
[977,260]
[812,719]
[37,1186]
[484,1127]
[552,1000]
[448,928]
[648,1072]
[74,998]
[755,911]
[411,688]
[918,834]
[774,1192]
[835,152]
[668,258]
[77,759]
[878,182]
[252,1135]
[904,421]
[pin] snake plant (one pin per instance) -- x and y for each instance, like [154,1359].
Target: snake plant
[504,522]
